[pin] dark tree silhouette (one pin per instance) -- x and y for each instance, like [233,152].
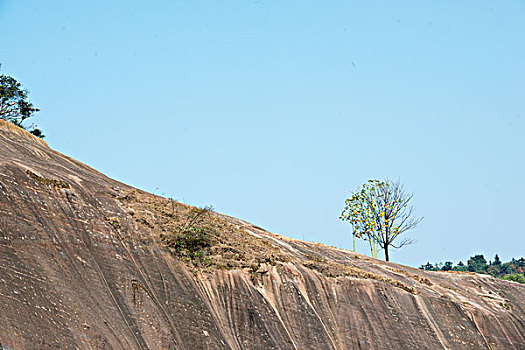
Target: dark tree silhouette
[14,105]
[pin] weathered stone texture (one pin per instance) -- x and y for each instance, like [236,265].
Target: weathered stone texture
[79,271]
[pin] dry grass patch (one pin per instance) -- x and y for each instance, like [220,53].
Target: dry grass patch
[199,236]
[47,182]
[332,269]
[420,279]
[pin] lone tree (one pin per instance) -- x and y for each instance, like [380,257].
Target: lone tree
[14,104]
[379,213]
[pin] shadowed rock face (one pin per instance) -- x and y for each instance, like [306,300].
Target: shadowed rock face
[83,265]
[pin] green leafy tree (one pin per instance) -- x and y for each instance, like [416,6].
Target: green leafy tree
[477,263]
[512,270]
[379,213]
[460,267]
[447,266]
[493,270]
[14,104]
[428,267]
[495,267]
[497,261]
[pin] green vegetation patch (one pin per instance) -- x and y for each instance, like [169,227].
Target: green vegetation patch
[192,241]
[514,277]
[513,270]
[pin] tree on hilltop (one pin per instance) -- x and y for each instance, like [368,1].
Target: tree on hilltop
[497,260]
[15,106]
[379,213]
[477,263]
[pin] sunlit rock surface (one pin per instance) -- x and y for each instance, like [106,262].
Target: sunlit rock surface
[82,266]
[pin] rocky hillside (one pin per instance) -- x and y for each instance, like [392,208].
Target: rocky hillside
[87,262]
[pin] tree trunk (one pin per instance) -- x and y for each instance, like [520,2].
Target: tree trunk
[386,253]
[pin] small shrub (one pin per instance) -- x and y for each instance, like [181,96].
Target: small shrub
[193,239]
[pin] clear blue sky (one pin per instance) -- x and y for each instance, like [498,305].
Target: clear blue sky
[273,111]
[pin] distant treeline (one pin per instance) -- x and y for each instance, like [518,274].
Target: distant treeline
[512,270]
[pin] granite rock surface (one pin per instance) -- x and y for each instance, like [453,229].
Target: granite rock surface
[85,264]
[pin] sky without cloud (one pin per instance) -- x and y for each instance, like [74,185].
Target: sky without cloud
[273,111]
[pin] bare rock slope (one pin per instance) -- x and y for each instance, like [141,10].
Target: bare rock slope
[87,262]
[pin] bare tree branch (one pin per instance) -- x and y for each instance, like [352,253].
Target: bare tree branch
[379,212]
